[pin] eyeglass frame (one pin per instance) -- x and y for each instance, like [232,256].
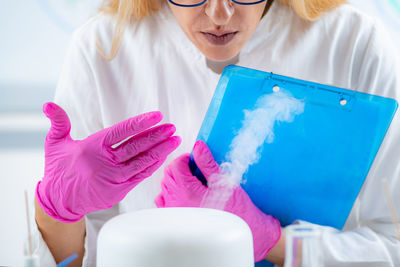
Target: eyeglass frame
[202,2]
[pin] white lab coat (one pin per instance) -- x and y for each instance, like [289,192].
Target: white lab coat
[158,68]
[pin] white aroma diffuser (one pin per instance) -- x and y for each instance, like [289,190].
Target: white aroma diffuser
[175,237]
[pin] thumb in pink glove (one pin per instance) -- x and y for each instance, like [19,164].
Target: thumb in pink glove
[181,189]
[83,176]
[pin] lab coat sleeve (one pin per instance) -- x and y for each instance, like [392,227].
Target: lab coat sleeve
[40,248]
[369,238]
[370,245]
[77,94]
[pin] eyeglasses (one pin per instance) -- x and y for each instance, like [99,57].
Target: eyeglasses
[194,3]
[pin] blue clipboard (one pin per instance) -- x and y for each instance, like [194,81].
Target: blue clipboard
[317,164]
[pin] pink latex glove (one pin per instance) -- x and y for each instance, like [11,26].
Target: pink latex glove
[181,189]
[83,176]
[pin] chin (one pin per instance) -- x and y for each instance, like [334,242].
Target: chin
[220,54]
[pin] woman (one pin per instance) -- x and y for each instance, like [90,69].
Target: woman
[167,56]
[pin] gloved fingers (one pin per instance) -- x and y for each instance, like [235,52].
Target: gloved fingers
[178,167]
[172,194]
[143,142]
[145,160]
[160,201]
[168,188]
[188,194]
[178,175]
[132,126]
[205,160]
[147,172]
[60,124]
[126,186]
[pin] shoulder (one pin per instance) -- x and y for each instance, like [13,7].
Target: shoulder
[348,15]
[346,41]
[351,27]
[100,30]
[338,29]
[367,47]
[369,50]
[343,21]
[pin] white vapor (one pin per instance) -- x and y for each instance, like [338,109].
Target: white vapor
[245,148]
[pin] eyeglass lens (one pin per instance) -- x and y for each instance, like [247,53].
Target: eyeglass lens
[191,3]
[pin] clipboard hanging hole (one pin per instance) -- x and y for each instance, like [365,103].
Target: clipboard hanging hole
[276,88]
[343,102]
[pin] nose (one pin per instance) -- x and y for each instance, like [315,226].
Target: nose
[219,11]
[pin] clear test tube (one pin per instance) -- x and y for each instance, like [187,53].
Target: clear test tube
[302,243]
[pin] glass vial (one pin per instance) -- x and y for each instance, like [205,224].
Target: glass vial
[302,246]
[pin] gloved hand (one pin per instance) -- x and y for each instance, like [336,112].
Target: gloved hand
[181,189]
[83,176]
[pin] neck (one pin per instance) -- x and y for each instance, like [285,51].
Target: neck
[218,66]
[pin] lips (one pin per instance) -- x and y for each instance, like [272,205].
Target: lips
[219,38]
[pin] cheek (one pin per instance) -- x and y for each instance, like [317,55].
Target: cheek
[250,17]
[189,19]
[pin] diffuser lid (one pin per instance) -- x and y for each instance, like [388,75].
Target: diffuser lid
[175,237]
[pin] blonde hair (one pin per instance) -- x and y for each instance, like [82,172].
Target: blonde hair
[127,11]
